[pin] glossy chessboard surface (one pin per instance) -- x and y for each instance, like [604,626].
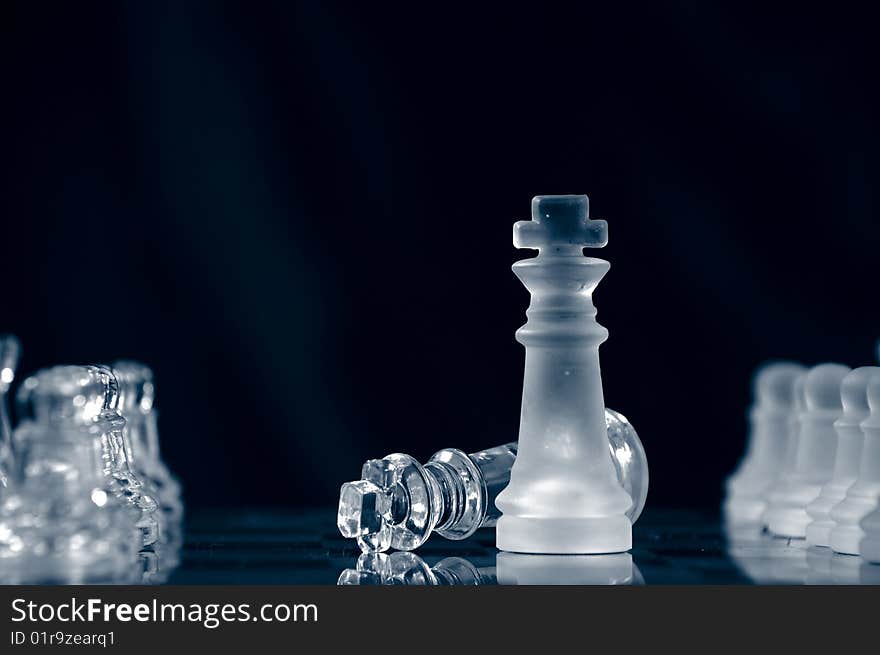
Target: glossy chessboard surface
[670,547]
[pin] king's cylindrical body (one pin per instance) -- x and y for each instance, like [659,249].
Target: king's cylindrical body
[563,495]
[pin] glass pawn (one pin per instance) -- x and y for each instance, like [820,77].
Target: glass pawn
[141,439]
[137,406]
[399,502]
[62,394]
[66,517]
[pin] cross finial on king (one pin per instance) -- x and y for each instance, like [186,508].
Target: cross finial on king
[560,224]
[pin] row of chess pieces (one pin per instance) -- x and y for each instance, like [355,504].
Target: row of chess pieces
[811,470]
[85,497]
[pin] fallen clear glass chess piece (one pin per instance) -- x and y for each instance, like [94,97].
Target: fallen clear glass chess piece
[563,497]
[68,516]
[398,502]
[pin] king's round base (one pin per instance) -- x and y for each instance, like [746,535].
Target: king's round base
[564,536]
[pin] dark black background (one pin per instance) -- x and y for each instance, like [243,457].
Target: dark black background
[300,215]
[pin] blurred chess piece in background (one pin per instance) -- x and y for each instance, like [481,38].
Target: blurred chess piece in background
[825,489]
[87,499]
[863,496]
[771,430]
[65,518]
[847,455]
[137,406]
[811,459]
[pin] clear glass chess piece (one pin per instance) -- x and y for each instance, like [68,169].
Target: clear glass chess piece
[10,350]
[141,438]
[398,502]
[65,396]
[137,406]
[406,568]
[66,518]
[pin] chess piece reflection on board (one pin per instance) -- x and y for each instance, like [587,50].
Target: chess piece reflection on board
[811,469]
[407,568]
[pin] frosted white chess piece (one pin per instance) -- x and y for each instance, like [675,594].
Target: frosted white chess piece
[770,426]
[813,461]
[850,441]
[137,406]
[773,494]
[863,496]
[563,495]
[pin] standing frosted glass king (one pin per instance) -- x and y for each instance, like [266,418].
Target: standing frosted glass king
[563,496]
